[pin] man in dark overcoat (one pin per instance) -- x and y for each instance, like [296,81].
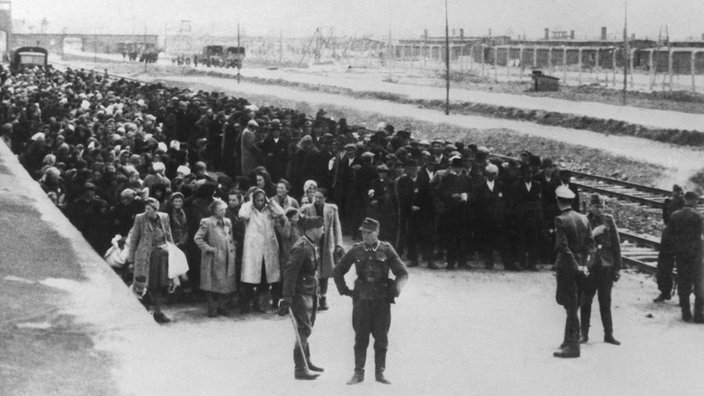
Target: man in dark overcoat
[682,243]
[574,245]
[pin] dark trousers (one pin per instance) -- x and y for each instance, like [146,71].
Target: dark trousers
[371,317]
[528,238]
[323,286]
[666,262]
[304,308]
[419,236]
[493,237]
[568,296]
[687,275]
[600,280]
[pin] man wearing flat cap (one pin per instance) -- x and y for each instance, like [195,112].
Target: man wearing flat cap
[682,243]
[372,295]
[574,245]
[300,291]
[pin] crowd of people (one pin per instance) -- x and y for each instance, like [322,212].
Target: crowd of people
[142,168]
[104,148]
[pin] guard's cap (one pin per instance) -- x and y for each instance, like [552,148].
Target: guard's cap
[369,225]
[563,192]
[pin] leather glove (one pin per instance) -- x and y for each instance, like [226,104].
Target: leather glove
[284,305]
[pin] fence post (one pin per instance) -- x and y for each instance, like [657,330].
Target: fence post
[508,64]
[550,60]
[521,64]
[651,66]
[564,64]
[671,52]
[535,56]
[496,64]
[596,64]
[483,59]
[613,65]
[694,58]
[579,61]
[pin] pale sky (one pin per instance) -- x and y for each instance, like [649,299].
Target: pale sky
[404,18]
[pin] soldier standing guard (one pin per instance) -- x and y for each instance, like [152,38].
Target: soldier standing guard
[604,271]
[372,295]
[574,244]
[301,292]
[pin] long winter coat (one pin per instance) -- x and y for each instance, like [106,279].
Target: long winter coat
[260,243]
[217,269]
[141,239]
[332,237]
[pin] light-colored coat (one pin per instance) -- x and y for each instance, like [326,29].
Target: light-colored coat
[332,237]
[260,243]
[217,269]
[140,242]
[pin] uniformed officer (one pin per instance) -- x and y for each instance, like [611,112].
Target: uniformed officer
[682,242]
[372,295]
[604,271]
[300,292]
[574,244]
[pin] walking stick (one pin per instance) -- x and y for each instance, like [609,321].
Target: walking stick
[298,337]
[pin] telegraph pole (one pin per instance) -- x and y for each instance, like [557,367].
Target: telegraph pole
[239,46]
[447,63]
[145,48]
[625,50]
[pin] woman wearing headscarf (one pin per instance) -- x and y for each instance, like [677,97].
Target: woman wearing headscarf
[147,250]
[179,222]
[260,256]
[310,187]
[217,263]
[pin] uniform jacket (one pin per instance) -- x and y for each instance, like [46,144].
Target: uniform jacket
[141,239]
[608,245]
[217,270]
[260,243]
[332,237]
[372,265]
[683,233]
[300,271]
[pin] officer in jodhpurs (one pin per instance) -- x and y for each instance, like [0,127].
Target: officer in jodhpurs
[300,292]
[372,295]
[573,244]
[603,272]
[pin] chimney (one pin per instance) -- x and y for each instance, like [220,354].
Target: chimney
[453,32]
[547,34]
[603,32]
[489,32]
[571,34]
[425,34]
[462,33]
[633,37]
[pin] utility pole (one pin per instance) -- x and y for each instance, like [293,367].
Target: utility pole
[626,51]
[281,47]
[447,63]
[144,54]
[166,34]
[240,47]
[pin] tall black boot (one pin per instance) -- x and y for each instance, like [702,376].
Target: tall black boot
[301,372]
[686,310]
[311,366]
[380,362]
[585,316]
[360,358]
